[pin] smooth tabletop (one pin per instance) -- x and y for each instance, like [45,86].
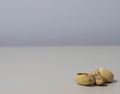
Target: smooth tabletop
[51,70]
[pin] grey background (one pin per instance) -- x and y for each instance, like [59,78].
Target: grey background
[51,70]
[59,22]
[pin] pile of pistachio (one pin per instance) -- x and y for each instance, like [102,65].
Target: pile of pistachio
[98,77]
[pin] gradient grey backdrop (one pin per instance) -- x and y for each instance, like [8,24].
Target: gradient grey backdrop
[59,22]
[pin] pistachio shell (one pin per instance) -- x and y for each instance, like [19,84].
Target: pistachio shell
[106,74]
[84,79]
[98,79]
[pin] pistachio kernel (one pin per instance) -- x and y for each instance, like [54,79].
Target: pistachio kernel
[99,80]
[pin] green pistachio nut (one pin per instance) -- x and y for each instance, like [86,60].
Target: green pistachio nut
[84,78]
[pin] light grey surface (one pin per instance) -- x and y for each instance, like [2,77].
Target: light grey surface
[59,22]
[51,70]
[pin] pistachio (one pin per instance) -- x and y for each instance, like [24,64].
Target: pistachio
[98,77]
[106,74]
[84,78]
[99,80]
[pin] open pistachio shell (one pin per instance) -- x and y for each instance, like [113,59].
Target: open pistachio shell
[84,79]
[99,80]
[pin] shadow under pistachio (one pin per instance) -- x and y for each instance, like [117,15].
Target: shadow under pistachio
[107,84]
[115,81]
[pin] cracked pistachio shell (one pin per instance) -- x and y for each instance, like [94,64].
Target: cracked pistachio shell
[106,74]
[84,79]
[99,80]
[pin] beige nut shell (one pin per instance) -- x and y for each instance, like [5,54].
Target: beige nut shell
[99,80]
[84,78]
[106,74]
